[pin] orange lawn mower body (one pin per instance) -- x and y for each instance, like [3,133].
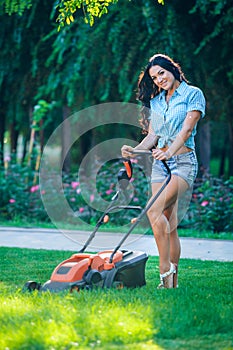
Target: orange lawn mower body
[110,268]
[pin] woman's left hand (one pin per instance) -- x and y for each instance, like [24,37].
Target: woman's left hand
[159,154]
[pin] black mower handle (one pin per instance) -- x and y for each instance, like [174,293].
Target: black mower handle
[124,176]
[149,204]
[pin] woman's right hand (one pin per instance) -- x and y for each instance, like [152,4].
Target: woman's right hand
[126,151]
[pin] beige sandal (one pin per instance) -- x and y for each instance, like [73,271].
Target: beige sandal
[169,278]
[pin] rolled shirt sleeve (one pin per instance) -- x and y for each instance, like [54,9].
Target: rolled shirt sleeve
[196,101]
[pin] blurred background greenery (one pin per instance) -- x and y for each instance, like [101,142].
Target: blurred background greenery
[47,74]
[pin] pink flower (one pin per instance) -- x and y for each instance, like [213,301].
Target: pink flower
[109,191]
[194,195]
[81,210]
[74,184]
[135,199]
[7,159]
[72,199]
[43,192]
[204,203]
[92,197]
[12,200]
[34,188]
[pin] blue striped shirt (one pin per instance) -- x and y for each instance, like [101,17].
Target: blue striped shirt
[167,118]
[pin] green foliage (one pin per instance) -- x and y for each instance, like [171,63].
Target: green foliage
[83,73]
[112,319]
[41,113]
[91,9]
[216,25]
[17,6]
[82,65]
[212,205]
[106,186]
[21,60]
[20,197]
[19,193]
[216,13]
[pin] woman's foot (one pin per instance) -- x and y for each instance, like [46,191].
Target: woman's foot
[168,279]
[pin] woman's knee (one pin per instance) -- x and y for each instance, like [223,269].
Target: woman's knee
[158,220]
[153,215]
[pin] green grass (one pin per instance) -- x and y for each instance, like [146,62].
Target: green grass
[197,315]
[183,232]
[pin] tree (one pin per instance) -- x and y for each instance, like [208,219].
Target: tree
[22,68]
[15,6]
[215,49]
[91,10]
[83,65]
[67,9]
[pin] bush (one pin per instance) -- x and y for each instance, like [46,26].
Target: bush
[20,197]
[104,188]
[212,205]
[19,193]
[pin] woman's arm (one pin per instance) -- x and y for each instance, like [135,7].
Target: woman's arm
[186,131]
[147,143]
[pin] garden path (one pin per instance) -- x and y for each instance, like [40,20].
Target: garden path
[204,249]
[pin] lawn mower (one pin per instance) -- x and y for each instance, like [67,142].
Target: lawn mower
[109,268]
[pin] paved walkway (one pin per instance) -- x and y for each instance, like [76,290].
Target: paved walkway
[38,238]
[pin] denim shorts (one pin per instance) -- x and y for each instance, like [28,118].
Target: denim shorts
[184,165]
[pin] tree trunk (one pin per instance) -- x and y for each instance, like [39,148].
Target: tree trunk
[41,133]
[230,127]
[24,153]
[14,134]
[26,135]
[66,135]
[204,147]
[2,132]
[222,160]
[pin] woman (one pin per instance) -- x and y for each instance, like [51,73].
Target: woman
[174,109]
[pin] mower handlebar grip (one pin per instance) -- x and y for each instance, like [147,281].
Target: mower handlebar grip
[147,152]
[128,167]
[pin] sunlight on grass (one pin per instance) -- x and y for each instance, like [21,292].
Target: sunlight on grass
[124,325]
[49,321]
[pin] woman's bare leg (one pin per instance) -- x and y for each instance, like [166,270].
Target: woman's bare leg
[166,237]
[175,249]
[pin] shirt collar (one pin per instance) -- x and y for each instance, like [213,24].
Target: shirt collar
[162,94]
[182,87]
[180,90]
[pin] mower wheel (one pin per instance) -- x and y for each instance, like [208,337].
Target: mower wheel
[74,288]
[92,277]
[30,286]
[118,285]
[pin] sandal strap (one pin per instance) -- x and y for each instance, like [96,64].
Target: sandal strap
[168,273]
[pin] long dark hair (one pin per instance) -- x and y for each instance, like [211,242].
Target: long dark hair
[147,89]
